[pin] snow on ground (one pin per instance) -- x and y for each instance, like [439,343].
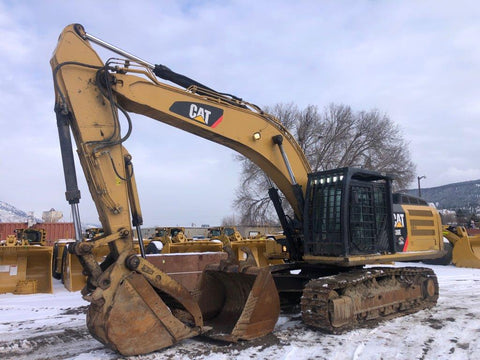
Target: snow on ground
[52,326]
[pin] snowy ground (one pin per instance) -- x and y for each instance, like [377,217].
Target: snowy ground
[53,326]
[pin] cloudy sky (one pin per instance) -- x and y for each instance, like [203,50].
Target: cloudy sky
[417,61]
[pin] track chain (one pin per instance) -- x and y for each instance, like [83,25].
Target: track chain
[357,286]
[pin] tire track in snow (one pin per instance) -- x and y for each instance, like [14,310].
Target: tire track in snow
[57,344]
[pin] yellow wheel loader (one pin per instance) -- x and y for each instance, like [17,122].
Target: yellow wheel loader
[166,236]
[466,248]
[173,241]
[31,236]
[342,221]
[265,251]
[225,234]
[26,263]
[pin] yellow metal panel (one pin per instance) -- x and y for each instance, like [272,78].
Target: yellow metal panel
[22,264]
[424,228]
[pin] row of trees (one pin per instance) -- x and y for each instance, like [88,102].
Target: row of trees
[335,137]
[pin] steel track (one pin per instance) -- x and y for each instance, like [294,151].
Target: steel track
[360,298]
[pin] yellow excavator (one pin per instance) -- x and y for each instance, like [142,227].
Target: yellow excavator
[416,222]
[343,218]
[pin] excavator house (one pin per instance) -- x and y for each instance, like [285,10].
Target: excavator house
[343,218]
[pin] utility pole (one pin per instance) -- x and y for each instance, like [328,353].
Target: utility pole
[419,189]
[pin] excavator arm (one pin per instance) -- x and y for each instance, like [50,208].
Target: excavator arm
[136,308]
[124,285]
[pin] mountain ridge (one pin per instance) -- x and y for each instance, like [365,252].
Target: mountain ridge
[459,195]
[9,213]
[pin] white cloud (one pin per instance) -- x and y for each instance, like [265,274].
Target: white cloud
[14,46]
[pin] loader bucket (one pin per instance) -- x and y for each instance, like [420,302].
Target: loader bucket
[466,249]
[238,305]
[26,269]
[72,271]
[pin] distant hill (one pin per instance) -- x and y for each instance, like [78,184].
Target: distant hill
[9,213]
[461,195]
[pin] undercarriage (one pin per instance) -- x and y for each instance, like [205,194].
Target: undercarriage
[363,297]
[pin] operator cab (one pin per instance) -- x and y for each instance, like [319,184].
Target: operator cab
[348,211]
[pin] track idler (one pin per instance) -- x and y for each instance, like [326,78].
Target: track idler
[238,300]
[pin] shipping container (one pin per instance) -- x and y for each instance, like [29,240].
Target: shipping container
[9,229]
[55,231]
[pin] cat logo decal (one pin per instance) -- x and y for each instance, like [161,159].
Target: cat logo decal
[206,114]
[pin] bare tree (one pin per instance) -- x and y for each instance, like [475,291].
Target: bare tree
[230,220]
[252,199]
[336,137]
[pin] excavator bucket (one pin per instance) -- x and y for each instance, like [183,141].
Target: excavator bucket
[151,310]
[26,269]
[238,303]
[142,311]
[138,320]
[466,248]
[186,268]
